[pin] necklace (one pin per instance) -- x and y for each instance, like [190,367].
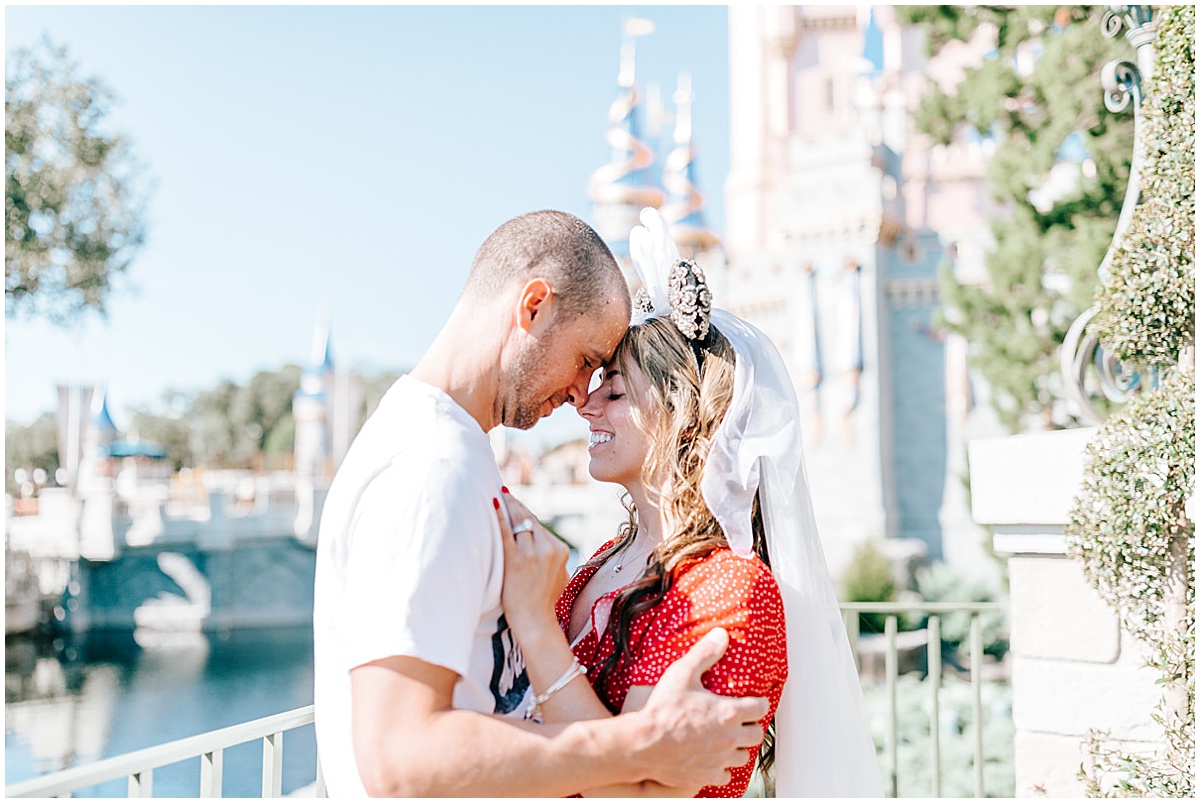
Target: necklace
[620,564]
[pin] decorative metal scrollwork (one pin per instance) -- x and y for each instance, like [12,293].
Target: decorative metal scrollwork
[1081,353]
[1122,82]
[1131,17]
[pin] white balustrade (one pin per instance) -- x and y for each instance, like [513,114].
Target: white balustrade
[138,767]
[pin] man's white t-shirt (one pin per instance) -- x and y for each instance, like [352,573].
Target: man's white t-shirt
[409,562]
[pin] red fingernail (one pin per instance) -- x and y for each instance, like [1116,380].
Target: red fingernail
[504,489]
[495,503]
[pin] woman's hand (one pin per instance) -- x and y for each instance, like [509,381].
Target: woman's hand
[535,571]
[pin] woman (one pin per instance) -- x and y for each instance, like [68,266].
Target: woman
[697,419]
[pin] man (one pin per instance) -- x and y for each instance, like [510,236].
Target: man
[420,689]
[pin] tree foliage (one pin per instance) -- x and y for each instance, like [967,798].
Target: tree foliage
[73,201]
[30,447]
[1138,476]
[170,430]
[1039,88]
[868,578]
[233,425]
[230,425]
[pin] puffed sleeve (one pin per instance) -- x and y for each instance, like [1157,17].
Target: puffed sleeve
[726,591]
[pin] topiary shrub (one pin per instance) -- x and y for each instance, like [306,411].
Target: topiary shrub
[1138,476]
[1129,525]
[868,578]
[1148,302]
[1130,529]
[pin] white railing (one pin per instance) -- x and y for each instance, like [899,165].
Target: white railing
[209,747]
[139,766]
[892,610]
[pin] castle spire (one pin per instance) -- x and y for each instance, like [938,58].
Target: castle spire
[310,406]
[621,188]
[102,418]
[320,357]
[684,209]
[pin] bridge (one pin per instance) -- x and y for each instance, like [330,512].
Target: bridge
[222,551]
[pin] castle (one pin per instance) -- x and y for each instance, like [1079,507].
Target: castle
[839,216]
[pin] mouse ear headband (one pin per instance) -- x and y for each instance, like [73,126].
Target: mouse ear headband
[671,287]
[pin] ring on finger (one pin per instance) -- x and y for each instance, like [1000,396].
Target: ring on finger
[525,526]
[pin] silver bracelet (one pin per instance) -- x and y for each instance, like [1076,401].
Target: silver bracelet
[576,669]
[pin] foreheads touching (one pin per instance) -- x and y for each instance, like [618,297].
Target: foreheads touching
[565,306]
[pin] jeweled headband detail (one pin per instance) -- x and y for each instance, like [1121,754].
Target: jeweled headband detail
[671,286]
[690,298]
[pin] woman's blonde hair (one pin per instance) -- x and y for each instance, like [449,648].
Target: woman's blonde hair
[688,388]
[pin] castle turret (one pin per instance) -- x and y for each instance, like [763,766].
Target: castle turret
[98,435]
[310,407]
[685,205]
[624,186]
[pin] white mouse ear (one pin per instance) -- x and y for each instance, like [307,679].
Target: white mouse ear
[666,254]
[654,254]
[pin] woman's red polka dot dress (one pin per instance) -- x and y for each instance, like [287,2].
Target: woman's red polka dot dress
[719,590]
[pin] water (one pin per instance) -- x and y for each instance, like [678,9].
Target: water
[76,700]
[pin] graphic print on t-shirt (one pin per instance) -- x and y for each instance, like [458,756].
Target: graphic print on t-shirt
[509,678]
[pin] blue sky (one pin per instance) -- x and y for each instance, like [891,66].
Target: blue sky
[341,158]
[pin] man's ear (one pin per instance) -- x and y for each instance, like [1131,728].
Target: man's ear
[535,305]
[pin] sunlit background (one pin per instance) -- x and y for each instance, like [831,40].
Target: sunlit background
[912,202]
[347,161]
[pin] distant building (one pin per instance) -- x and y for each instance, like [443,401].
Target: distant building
[311,409]
[325,409]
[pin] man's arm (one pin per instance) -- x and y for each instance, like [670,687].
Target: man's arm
[410,742]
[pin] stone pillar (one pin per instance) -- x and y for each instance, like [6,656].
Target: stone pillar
[1074,668]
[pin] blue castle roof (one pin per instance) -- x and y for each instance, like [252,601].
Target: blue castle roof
[873,43]
[137,447]
[103,419]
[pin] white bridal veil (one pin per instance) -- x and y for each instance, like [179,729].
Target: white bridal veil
[823,745]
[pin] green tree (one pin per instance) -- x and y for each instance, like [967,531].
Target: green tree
[217,440]
[1039,88]
[30,447]
[265,405]
[73,200]
[227,426]
[235,427]
[170,430]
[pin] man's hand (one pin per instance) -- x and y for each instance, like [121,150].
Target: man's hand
[694,736]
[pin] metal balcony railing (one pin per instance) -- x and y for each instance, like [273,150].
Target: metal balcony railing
[936,611]
[209,747]
[139,766]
